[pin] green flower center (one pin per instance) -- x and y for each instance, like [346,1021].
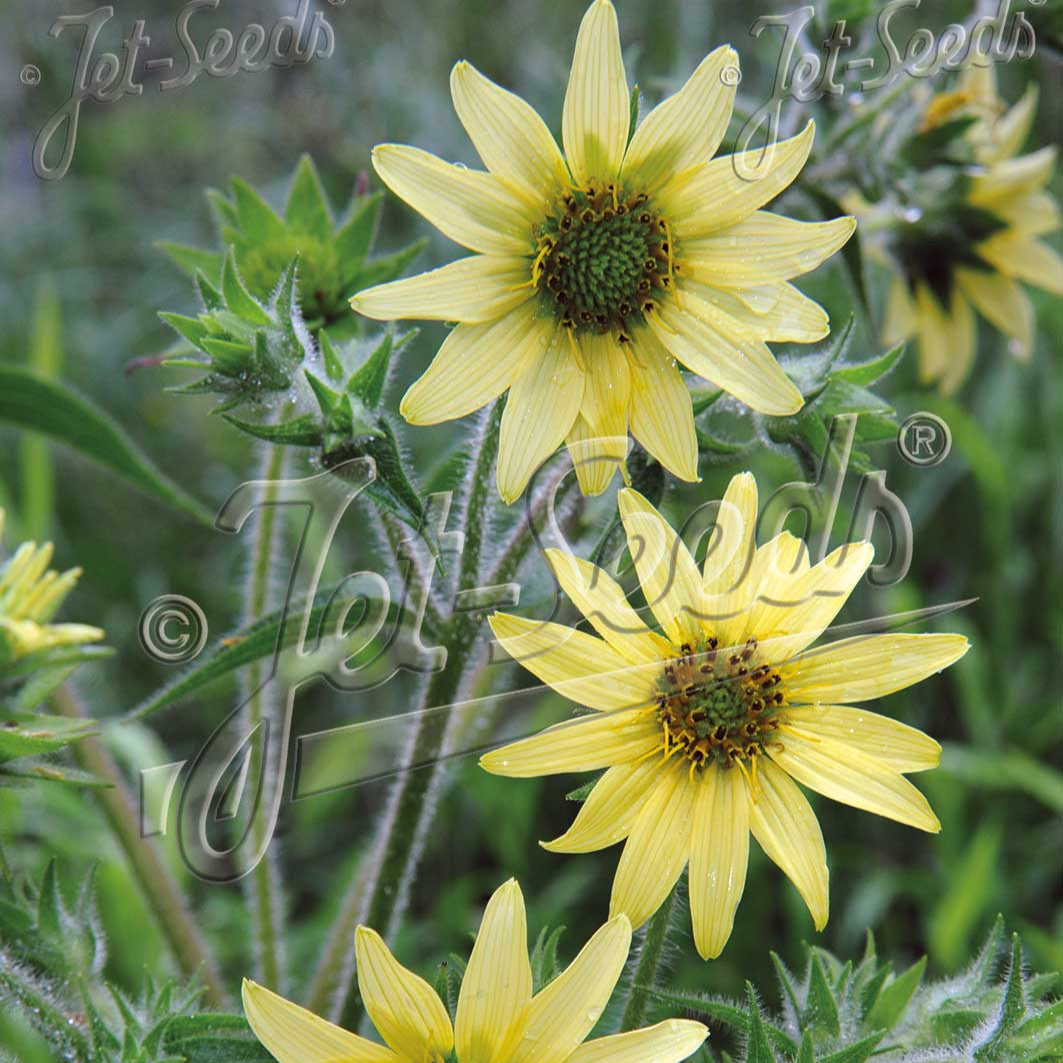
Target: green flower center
[718,706]
[602,260]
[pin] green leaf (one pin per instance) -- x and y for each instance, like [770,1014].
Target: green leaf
[894,997]
[387,268]
[307,210]
[868,372]
[581,793]
[858,1052]
[355,238]
[238,299]
[222,208]
[757,1048]
[333,365]
[367,383]
[544,961]
[821,1009]
[51,408]
[258,220]
[193,260]
[28,735]
[304,431]
[243,647]
[806,1053]
[191,328]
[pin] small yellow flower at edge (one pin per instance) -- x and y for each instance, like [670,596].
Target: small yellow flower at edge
[599,270]
[30,594]
[498,1019]
[703,727]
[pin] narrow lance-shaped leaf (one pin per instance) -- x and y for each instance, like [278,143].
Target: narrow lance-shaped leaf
[53,409]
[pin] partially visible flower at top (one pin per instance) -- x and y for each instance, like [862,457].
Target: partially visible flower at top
[703,727]
[498,1020]
[967,236]
[597,270]
[30,594]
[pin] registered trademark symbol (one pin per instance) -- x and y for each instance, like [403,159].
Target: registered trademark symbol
[30,75]
[924,439]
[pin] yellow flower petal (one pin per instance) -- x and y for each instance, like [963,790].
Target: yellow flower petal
[933,328]
[1011,130]
[732,548]
[711,344]
[603,602]
[763,248]
[1001,302]
[609,812]
[786,828]
[899,322]
[405,1009]
[594,123]
[897,745]
[475,365]
[497,985]
[719,853]
[577,665]
[843,773]
[962,337]
[771,571]
[595,457]
[562,1015]
[292,1034]
[685,129]
[669,578]
[477,210]
[794,612]
[542,406]
[1025,259]
[657,849]
[721,193]
[1032,215]
[661,412]
[510,137]
[586,743]
[1013,177]
[475,289]
[599,441]
[667,1042]
[776,311]
[869,666]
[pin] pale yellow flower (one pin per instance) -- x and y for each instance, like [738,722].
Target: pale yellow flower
[30,593]
[975,255]
[598,270]
[498,1019]
[704,725]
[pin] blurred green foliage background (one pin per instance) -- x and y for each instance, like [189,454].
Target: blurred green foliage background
[82,283]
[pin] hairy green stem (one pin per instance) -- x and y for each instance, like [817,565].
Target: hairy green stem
[159,886]
[378,893]
[264,886]
[651,954]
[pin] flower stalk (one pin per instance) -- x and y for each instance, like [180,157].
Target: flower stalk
[160,888]
[651,957]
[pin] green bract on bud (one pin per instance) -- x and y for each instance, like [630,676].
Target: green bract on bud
[993,1012]
[333,255]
